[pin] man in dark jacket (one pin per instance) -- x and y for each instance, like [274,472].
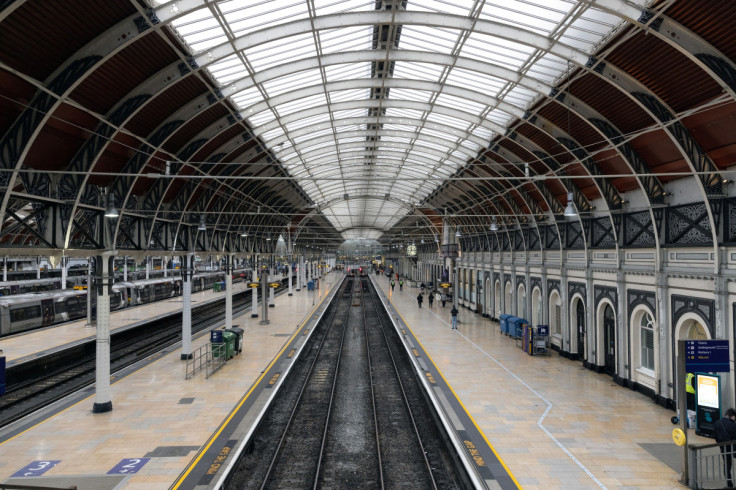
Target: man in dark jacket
[453,314]
[725,432]
[420,298]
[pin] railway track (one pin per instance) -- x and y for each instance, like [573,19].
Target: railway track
[351,414]
[74,368]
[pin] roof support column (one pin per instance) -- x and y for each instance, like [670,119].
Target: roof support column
[103,401]
[229,291]
[187,275]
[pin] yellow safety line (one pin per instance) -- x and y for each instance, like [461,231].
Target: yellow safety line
[225,423]
[456,397]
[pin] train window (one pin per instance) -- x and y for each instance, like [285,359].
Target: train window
[25,313]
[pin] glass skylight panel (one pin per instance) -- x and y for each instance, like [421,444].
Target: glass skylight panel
[407,94]
[200,30]
[292,81]
[347,71]
[247,16]
[308,121]
[312,135]
[349,114]
[436,134]
[401,112]
[429,144]
[453,122]
[395,139]
[400,127]
[472,147]
[499,117]
[587,30]
[484,134]
[538,16]
[273,134]
[326,7]
[261,118]
[345,95]
[423,38]
[358,38]
[480,82]
[282,51]
[502,52]
[462,103]
[456,7]
[520,96]
[246,98]
[301,104]
[417,71]
[227,69]
[547,68]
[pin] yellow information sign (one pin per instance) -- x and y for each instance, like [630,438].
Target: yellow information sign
[254,284]
[274,284]
[445,284]
[679,437]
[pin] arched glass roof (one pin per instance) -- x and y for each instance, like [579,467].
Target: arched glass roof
[371,105]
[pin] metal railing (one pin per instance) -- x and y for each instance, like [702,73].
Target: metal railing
[707,464]
[209,357]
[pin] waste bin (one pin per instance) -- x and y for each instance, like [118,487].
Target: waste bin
[238,338]
[217,341]
[216,287]
[516,326]
[503,322]
[230,341]
[310,286]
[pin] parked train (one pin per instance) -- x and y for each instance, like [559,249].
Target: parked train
[8,288]
[21,312]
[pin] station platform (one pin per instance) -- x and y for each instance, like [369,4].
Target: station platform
[24,345]
[159,420]
[552,423]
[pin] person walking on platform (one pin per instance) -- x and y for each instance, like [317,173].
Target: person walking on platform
[430,298]
[392,284]
[420,298]
[422,286]
[443,298]
[725,432]
[401,284]
[453,313]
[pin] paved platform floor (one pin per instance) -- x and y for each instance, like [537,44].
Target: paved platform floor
[159,420]
[553,423]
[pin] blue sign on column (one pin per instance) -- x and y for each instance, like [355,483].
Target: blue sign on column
[707,356]
[37,468]
[128,466]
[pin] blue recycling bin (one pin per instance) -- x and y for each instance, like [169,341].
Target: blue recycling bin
[503,322]
[516,326]
[310,286]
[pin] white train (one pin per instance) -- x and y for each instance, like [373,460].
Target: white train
[21,312]
[8,288]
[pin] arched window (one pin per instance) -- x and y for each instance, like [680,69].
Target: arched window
[646,341]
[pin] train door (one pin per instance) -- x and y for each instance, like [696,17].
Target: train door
[47,310]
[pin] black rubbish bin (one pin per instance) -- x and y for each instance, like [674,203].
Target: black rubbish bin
[239,338]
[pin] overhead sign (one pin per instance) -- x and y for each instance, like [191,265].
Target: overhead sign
[706,356]
[445,285]
[254,284]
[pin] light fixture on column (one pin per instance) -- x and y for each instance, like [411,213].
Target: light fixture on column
[570,209]
[111,211]
[494,224]
[202,225]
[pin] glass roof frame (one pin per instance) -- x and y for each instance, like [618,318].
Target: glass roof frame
[284,49]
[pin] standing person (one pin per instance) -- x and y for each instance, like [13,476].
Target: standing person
[443,298]
[454,312]
[725,432]
[422,286]
[392,284]
[430,298]
[401,284]
[420,298]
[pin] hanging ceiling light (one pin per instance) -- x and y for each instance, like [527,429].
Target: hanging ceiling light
[494,224]
[202,224]
[457,233]
[244,233]
[422,240]
[436,239]
[111,211]
[570,209]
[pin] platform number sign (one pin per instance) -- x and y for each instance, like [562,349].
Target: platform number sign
[37,468]
[128,466]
